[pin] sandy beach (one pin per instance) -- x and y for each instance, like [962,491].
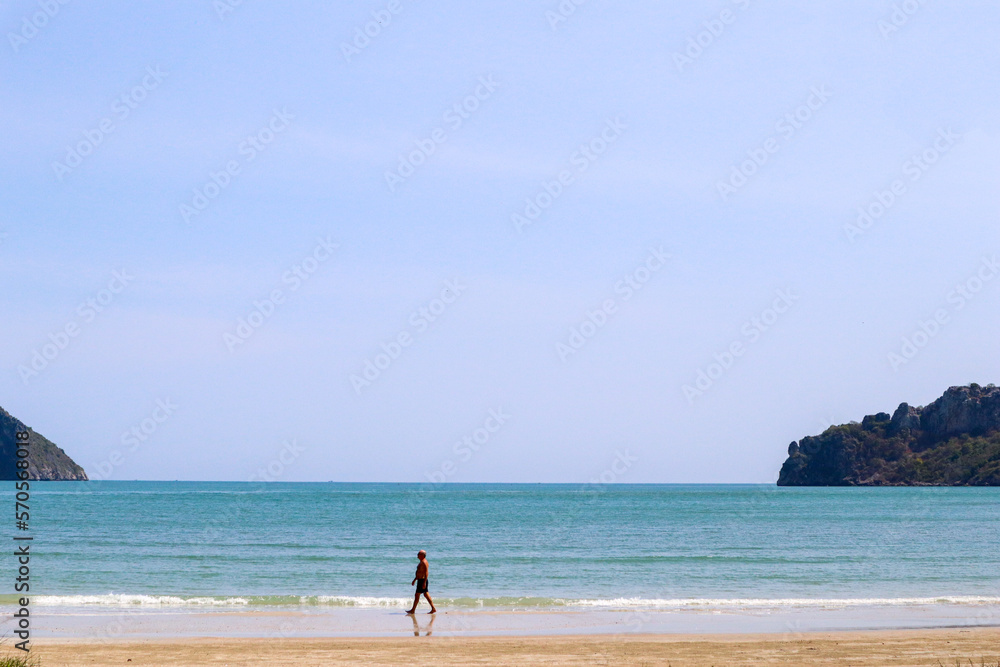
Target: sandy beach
[896,648]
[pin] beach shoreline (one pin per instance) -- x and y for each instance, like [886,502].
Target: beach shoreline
[883,647]
[144,623]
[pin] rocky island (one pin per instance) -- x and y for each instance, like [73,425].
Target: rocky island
[954,441]
[47,461]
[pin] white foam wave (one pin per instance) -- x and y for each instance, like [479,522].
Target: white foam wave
[745,603]
[349,601]
[125,600]
[736,604]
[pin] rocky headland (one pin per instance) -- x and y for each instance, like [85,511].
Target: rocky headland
[46,462]
[954,441]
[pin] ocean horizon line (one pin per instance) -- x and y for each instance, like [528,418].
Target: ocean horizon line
[394,483]
[453,485]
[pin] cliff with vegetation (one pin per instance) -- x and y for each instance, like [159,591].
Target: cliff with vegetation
[47,461]
[954,441]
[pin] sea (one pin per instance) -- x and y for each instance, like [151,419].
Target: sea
[705,558]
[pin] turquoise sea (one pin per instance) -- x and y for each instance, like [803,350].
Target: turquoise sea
[509,546]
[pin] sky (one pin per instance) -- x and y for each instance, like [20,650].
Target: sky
[490,242]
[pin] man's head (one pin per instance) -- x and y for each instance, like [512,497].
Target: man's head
[421,554]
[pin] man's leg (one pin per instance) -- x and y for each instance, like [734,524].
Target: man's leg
[428,596]
[416,600]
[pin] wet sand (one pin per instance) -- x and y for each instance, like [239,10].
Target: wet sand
[900,647]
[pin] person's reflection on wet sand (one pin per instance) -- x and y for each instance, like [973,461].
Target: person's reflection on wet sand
[416,627]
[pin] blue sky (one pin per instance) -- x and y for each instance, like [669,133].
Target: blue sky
[838,104]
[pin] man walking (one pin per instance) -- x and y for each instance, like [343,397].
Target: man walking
[420,579]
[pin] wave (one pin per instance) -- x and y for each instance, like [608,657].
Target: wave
[771,603]
[120,600]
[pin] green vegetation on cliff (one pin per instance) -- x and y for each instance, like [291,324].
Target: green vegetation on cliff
[954,441]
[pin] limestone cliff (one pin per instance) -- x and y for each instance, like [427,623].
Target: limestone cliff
[47,461]
[954,441]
